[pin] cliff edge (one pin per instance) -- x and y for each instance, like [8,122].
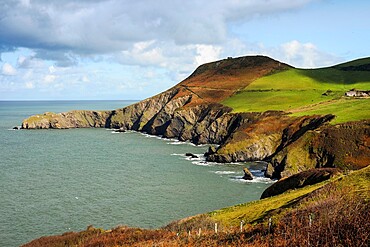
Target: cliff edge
[244,106]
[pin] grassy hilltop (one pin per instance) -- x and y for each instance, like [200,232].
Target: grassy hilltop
[308,92]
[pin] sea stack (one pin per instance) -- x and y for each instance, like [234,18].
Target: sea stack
[247,174]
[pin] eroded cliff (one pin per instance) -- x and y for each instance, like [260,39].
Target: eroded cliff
[193,111]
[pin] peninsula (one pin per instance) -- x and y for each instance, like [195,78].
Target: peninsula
[253,108]
[310,126]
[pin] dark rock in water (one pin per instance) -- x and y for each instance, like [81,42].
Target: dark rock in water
[15,128]
[193,156]
[300,180]
[247,174]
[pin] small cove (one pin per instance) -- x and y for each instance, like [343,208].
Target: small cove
[53,181]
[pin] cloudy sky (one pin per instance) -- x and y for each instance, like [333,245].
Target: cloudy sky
[133,49]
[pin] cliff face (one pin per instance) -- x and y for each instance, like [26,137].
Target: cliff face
[191,111]
[264,136]
[346,146]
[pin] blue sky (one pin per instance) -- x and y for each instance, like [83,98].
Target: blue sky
[130,50]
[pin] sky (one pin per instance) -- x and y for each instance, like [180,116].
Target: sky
[134,49]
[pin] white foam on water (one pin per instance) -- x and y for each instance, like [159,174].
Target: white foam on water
[174,154]
[202,163]
[258,179]
[224,172]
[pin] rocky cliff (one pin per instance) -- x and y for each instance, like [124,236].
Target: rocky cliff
[193,111]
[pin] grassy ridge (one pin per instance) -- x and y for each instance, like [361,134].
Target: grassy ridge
[308,92]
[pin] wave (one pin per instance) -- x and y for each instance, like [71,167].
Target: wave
[256,179]
[202,163]
[225,172]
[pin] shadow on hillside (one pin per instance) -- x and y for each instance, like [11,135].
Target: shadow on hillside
[357,71]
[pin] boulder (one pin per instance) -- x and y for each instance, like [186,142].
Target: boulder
[247,174]
[15,128]
[192,156]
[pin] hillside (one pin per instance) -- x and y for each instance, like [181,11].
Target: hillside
[308,92]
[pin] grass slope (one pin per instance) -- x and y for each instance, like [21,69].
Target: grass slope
[308,92]
[357,182]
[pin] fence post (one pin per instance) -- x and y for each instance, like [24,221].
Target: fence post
[216,228]
[270,223]
[310,219]
[241,225]
[199,232]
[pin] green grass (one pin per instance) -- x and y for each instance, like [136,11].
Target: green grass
[322,79]
[256,211]
[282,100]
[301,91]
[344,109]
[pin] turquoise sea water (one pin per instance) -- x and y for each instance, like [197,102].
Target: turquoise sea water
[53,181]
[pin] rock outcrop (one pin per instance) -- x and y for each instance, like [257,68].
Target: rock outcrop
[300,180]
[261,136]
[65,120]
[346,146]
[247,174]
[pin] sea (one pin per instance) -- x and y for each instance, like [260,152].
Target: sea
[56,181]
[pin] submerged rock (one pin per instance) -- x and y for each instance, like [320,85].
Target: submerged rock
[247,174]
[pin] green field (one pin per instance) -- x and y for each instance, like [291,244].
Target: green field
[308,92]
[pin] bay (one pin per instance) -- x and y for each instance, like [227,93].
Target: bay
[53,181]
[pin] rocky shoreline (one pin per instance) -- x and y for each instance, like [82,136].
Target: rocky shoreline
[192,111]
[289,144]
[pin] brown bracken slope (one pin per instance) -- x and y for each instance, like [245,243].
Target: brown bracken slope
[216,81]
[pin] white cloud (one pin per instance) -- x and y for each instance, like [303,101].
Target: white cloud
[295,53]
[52,69]
[85,79]
[207,53]
[305,55]
[49,78]
[8,69]
[29,85]
[143,53]
[97,27]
